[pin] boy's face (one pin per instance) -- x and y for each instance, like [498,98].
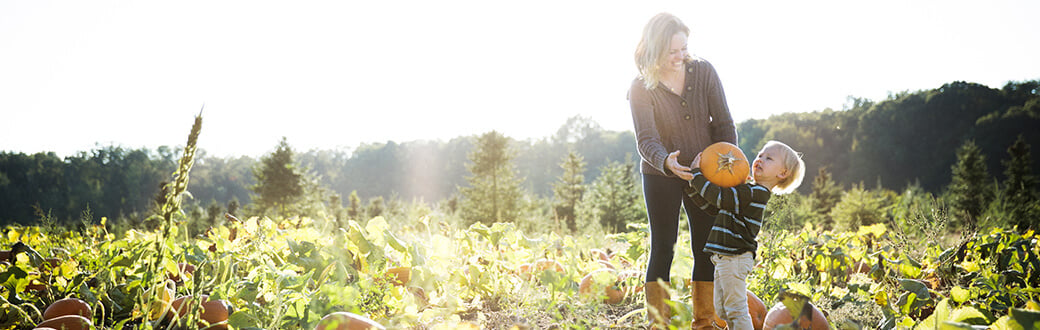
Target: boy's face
[769,165]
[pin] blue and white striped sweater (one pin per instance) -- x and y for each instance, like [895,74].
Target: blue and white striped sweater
[738,213]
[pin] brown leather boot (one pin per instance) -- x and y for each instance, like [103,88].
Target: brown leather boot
[657,312]
[702,294]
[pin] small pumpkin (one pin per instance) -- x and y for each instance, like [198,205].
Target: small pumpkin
[346,321]
[602,282]
[399,276]
[599,254]
[757,309]
[547,264]
[724,164]
[67,306]
[214,312]
[779,315]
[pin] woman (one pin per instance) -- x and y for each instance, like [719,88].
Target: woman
[678,108]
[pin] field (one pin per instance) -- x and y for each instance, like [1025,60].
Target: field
[424,273]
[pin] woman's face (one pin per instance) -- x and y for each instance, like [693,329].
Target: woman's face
[676,52]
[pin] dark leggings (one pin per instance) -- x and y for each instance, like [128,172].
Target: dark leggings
[664,196]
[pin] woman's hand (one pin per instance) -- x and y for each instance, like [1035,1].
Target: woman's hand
[696,161]
[672,163]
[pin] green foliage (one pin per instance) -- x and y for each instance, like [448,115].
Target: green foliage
[970,190]
[861,207]
[567,192]
[493,194]
[613,199]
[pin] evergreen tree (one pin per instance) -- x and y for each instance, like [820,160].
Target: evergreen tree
[232,205]
[279,182]
[376,207]
[825,195]
[336,209]
[970,190]
[569,189]
[354,208]
[1020,187]
[494,192]
[613,199]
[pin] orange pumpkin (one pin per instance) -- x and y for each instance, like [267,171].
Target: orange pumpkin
[757,309]
[346,321]
[724,164]
[399,276]
[67,306]
[606,279]
[212,311]
[598,254]
[858,267]
[547,264]
[779,315]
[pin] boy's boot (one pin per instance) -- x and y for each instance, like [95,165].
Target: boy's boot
[657,312]
[703,296]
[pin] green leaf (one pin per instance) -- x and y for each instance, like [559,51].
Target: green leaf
[243,319]
[968,315]
[959,294]
[394,242]
[1026,318]
[916,287]
[800,288]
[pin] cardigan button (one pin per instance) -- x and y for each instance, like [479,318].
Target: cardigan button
[687,117]
[684,103]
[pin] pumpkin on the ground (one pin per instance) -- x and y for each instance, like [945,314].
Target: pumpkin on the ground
[603,283]
[779,315]
[214,312]
[724,164]
[67,306]
[399,276]
[757,309]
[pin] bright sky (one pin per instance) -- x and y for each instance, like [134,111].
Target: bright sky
[335,74]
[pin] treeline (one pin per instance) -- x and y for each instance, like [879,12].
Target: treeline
[908,139]
[911,138]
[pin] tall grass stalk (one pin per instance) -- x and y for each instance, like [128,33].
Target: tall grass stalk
[170,207]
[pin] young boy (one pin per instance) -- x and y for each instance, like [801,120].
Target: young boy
[738,217]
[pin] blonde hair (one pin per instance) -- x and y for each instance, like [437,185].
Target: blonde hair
[653,46]
[792,161]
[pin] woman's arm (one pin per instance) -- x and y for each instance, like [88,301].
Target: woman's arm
[648,139]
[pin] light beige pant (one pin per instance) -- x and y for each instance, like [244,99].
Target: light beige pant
[731,274]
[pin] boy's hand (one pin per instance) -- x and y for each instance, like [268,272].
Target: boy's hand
[672,164]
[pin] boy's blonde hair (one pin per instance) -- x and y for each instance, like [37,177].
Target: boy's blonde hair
[653,46]
[792,161]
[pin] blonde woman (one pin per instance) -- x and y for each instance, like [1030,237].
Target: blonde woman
[678,108]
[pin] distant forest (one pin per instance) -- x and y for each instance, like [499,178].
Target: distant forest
[911,138]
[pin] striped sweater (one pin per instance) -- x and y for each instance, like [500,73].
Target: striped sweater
[738,213]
